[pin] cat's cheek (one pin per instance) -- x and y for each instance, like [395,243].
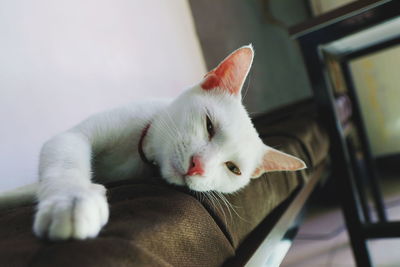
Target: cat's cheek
[171,176]
[234,185]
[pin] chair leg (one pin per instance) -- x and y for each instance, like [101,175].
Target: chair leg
[354,225]
[350,202]
[359,182]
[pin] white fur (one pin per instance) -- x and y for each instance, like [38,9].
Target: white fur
[72,206]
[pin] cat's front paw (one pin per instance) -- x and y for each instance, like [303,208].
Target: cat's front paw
[77,213]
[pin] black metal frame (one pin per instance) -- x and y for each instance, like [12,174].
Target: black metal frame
[348,177]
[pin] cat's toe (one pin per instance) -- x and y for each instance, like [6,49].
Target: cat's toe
[61,226]
[42,219]
[87,218]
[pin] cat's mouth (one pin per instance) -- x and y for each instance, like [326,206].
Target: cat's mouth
[182,178]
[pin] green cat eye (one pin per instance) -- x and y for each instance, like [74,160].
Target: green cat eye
[233,168]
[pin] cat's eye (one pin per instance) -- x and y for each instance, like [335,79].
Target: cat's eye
[233,168]
[210,127]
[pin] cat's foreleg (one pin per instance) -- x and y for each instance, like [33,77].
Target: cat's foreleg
[70,205]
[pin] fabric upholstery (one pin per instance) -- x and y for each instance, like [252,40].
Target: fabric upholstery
[155,224]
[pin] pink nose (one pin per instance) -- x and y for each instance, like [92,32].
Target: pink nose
[196,166]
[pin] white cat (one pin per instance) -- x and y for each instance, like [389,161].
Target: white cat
[204,139]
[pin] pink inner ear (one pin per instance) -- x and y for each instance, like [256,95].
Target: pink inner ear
[230,73]
[212,81]
[274,160]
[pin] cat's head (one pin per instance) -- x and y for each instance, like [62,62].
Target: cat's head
[205,138]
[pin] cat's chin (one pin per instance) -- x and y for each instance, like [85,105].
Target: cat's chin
[190,182]
[195,183]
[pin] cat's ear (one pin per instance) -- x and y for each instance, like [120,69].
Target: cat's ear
[274,160]
[231,73]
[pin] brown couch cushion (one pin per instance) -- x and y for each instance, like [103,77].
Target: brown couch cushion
[150,225]
[154,224]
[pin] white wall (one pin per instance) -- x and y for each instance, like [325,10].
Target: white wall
[61,61]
